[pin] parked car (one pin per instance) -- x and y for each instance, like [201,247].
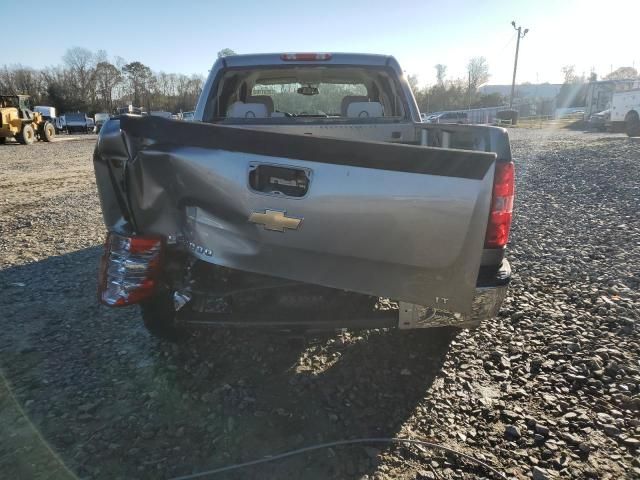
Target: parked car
[600,121]
[276,211]
[450,117]
[78,122]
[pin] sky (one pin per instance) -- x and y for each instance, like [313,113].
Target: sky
[184,36]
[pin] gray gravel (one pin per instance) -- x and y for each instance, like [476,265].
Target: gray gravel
[550,389]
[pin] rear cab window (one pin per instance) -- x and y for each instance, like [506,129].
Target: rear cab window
[309,93]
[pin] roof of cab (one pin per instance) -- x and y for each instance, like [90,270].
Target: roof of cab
[266,59]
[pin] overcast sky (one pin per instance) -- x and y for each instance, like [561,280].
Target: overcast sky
[184,36]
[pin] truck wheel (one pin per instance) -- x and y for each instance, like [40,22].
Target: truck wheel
[3,140]
[26,136]
[47,132]
[159,318]
[632,122]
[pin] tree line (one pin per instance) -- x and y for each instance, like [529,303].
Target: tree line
[460,94]
[456,94]
[90,82]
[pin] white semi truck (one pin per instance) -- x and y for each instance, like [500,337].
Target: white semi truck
[625,112]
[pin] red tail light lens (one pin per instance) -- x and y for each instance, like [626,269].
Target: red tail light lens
[129,269]
[501,206]
[305,57]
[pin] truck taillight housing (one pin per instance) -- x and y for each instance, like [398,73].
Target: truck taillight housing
[129,269]
[501,206]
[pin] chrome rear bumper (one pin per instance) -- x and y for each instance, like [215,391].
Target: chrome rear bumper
[486,305]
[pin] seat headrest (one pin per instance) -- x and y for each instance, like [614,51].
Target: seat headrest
[365,110]
[266,100]
[350,99]
[247,110]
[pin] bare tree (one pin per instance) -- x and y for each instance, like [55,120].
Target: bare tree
[81,64]
[101,56]
[441,73]
[225,52]
[478,70]
[569,73]
[107,77]
[91,83]
[413,82]
[139,77]
[22,80]
[623,73]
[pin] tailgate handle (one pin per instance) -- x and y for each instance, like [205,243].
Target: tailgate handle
[279,180]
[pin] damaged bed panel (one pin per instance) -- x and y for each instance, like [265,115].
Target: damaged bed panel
[398,221]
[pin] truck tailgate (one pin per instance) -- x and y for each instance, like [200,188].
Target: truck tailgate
[399,221]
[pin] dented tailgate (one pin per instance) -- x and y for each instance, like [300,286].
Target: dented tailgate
[399,221]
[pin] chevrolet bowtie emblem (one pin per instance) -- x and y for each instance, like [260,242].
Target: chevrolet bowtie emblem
[275,220]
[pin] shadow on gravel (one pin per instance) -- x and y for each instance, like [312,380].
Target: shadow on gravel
[277,394]
[113,401]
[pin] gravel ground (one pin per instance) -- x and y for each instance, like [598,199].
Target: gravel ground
[550,389]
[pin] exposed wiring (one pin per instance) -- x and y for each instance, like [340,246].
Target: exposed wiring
[320,446]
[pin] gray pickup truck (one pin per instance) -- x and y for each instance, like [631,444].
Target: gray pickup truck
[306,194]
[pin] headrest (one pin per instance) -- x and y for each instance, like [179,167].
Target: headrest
[350,99]
[247,110]
[266,100]
[365,110]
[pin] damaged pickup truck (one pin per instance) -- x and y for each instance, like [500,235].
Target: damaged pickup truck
[306,194]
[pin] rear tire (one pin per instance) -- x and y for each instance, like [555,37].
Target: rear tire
[26,136]
[632,123]
[47,132]
[159,318]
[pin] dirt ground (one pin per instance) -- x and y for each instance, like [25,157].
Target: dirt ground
[549,389]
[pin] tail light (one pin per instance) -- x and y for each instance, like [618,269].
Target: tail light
[305,57]
[129,269]
[501,206]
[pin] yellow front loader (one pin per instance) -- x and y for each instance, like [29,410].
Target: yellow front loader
[18,121]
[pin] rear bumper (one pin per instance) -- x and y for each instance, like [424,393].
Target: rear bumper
[489,295]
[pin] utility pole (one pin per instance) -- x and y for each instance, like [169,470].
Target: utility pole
[469,88]
[521,34]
